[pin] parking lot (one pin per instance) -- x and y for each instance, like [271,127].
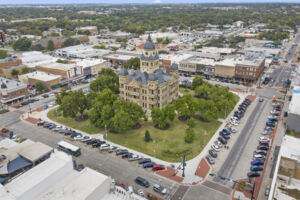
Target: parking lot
[123,171]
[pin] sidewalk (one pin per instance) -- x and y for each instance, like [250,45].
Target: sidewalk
[193,165]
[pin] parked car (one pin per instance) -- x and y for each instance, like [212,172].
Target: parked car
[141,193]
[227,132]
[149,164]
[213,153]
[231,129]
[210,160]
[134,157]
[264,139]
[158,167]
[256,168]
[78,138]
[257,162]
[215,147]
[217,142]
[262,152]
[261,99]
[121,151]
[144,160]
[226,137]
[253,174]
[40,123]
[160,189]
[112,149]
[126,155]
[261,147]
[141,181]
[104,146]
[222,140]
[269,128]
[266,132]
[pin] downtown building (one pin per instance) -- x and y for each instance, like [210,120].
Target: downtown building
[150,86]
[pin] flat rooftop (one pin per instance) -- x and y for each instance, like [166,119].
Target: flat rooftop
[119,56]
[59,66]
[294,106]
[290,147]
[201,61]
[89,62]
[76,185]
[8,85]
[42,76]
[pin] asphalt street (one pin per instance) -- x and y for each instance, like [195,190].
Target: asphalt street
[123,171]
[230,164]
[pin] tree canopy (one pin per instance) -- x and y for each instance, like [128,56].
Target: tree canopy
[107,79]
[22,44]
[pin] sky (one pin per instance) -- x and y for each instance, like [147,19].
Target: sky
[136,1]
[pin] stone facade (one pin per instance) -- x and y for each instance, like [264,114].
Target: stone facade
[151,86]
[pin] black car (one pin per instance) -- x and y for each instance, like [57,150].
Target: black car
[46,124]
[262,147]
[126,155]
[141,181]
[144,160]
[222,140]
[91,142]
[253,174]
[213,153]
[45,95]
[226,137]
[24,103]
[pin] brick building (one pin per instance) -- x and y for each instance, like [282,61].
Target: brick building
[11,90]
[47,79]
[11,61]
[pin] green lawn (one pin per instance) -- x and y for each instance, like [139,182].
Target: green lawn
[84,126]
[164,141]
[185,91]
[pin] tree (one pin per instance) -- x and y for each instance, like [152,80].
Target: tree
[121,122]
[39,86]
[186,106]
[50,46]
[189,135]
[25,70]
[107,79]
[15,72]
[60,96]
[22,44]
[71,42]
[191,122]
[81,102]
[169,112]
[198,81]
[133,63]
[102,111]
[3,54]
[102,46]
[159,118]
[147,136]
[203,91]
[69,106]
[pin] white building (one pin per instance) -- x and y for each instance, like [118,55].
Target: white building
[287,171]
[34,58]
[55,179]
[294,111]
[81,51]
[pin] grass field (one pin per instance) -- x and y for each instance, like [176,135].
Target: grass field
[84,126]
[185,91]
[167,143]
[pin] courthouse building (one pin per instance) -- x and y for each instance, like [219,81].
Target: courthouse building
[150,86]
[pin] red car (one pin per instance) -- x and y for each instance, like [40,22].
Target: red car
[40,123]
[158,167]
[122,185]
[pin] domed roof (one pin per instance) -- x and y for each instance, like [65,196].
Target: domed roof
[152,77]
[149,45]
[174,66]
[123,72]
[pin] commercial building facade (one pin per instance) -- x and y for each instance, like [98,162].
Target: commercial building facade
[11,61]
[11,90]
[47,79]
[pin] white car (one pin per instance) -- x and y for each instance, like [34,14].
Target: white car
[233,123]
[40,97]
[86,138]
[135,157]
[259,156]
[51,94]
[263,139]
[141,193]
[78,138]
[104,146]
[159,189]
[215,147]
[220,145]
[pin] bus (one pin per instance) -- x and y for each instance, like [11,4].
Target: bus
[69,148]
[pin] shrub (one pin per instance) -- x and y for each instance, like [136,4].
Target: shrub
[189,135]
[147,136]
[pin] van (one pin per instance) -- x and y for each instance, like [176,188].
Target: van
[141,181]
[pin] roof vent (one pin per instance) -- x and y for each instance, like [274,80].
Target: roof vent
[3,86]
